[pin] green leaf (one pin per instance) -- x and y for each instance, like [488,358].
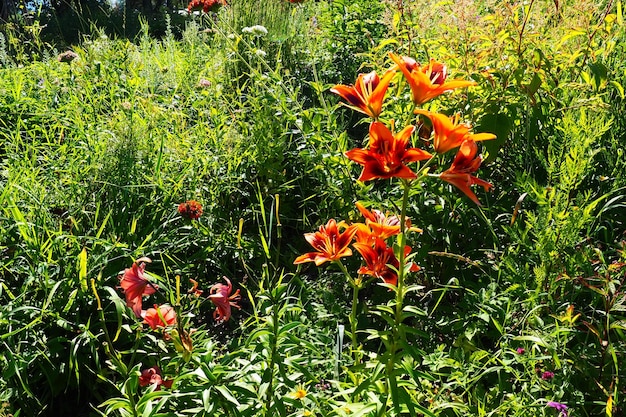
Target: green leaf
[227,394]
[498,124]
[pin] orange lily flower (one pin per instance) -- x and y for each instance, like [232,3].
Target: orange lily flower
[387,154]
[329,243]
[136,285]
[449,133]
[221,296]
[160,316]
[465,162]
[428,81]
[381,262]
[366,96]
[382,225]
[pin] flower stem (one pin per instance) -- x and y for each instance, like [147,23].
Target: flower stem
[396,333]
[356,286]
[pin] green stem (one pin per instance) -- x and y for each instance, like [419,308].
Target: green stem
[270,390]
[396,333]
[356,286]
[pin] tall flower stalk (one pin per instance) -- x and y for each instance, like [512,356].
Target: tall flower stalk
[389,155]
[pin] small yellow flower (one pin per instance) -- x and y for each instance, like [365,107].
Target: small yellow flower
[298,394]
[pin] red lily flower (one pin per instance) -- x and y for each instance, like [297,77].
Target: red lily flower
[366,96]
[381,262]
[449,133]
[221,296]
[160,316]
[153,376]
[387,154]
[329,243]
[465,162]
[428,81]
[136,285]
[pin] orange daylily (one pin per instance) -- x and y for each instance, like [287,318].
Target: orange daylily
[387,154]
[449,133]
[427,81]
[366,96]
[160,316]
[330,243]
[381,262]
[465,162]
[381,225]
[221,296]
[136,285]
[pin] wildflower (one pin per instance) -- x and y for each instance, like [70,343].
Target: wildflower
[204,83]
[329,242]
[298,394]
[190,209]
[520,350]
[381,262]
[380,224]
[387,154]
[221,296]
[547,375]
[136,285]
[428,81]
[562,408]
[206,5]
[449,133]
[152,376]
[67,56]
[256,30]
[465,162]
[160,316]
[366,96]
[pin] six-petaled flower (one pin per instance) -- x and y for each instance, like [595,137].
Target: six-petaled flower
[426,81]
[449,133]
[224,299]
[329,242]
[135,285]
[387,154]
[160,316]
[381,262]
[366,96]
[459,173]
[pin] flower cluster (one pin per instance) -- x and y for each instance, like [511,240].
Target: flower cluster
[387,154]
[190,209]
[205,5]
[136,284]
[332,242]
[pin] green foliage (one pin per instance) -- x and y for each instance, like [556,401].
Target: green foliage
[96,155]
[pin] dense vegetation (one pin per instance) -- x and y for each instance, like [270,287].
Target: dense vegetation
[157,182]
